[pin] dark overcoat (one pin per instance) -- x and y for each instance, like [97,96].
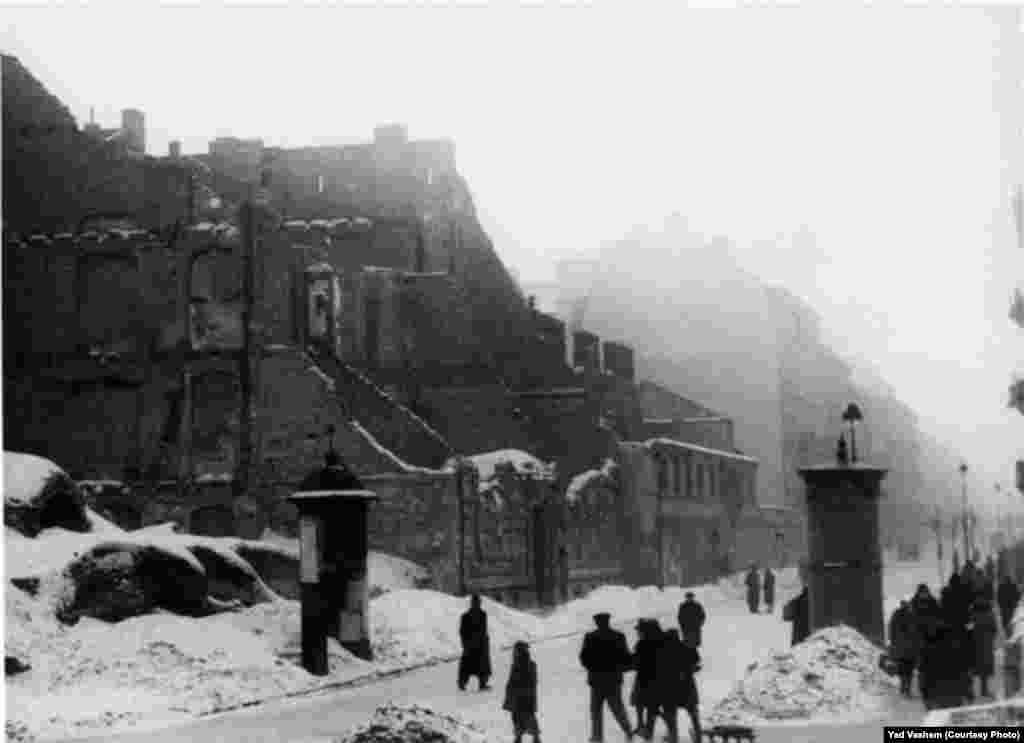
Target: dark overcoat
[769,587]
[984,640]
[645,661]
[676,665]
[753,582]
[691,618]
[521,689]
[476,644]
[606,657]
[798,611]
[904,635]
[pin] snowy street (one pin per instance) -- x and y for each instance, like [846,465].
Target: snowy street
[733,639]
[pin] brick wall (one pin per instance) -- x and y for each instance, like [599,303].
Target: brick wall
[474,418]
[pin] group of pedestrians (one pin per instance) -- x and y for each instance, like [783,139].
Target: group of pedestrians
[756,584]
[950,641]
[665,665]
[665,662]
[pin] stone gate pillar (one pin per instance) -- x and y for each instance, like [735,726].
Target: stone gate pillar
[844,551]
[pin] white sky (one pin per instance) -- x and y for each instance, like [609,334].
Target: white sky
[890,138]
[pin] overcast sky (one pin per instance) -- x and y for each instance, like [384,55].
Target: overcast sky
[862,157]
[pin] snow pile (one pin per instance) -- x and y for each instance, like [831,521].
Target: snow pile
[158,666]
[25,475]
[490,465]
[410,626]
[414,724]
[590,478]
[832,675]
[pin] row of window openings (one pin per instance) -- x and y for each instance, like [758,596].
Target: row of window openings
[320,183]
[698,480]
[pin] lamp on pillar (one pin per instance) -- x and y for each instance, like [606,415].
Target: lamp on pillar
[333,517]
[845,556]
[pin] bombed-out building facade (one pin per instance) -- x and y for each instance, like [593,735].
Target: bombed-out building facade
[181,372]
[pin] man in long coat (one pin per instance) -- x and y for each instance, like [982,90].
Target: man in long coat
[606,657]
[753,582]
[645,662]
[691,618]
[769,590]
[798,611]
[476,646]
[983,636]
[904,644]
[1007,596]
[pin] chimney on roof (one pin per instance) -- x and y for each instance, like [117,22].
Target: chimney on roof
[174,150]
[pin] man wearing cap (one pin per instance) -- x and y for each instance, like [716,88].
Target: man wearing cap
[606,657]
[691,618]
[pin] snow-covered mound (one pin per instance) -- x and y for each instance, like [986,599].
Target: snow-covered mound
[38,494]
[833,675]
[414,626]
[414,724]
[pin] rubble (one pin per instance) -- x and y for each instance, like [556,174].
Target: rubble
[414,724]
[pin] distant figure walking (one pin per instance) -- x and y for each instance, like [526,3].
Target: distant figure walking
[691,618]
[769,590]
[983,636]
[798,611]
[753,582]
[521,693]
[476,646]
[1007,596]
[904,645]
[644,696]
[606,657]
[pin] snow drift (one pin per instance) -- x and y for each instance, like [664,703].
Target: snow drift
[832,675]
[414,724]
[38,494]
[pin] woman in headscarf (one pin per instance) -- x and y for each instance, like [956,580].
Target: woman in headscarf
[644,696]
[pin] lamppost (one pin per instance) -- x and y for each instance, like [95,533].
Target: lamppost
[852,416]
[963,510]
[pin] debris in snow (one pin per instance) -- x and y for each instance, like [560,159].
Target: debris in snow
[414,724]
[834,674]
[591,477]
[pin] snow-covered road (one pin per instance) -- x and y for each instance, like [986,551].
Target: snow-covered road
[729,648]
[733,639]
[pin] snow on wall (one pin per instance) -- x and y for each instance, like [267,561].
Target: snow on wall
[591,477]
[25,475]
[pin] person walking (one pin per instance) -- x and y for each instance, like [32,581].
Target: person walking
[644,697]
[476,646]
[691,616]
[1007,597]
[983,636]
[753,582]
[689,699]
[521,693]
[940,670]
[904,645]
[605,656]
[769,590]
[798,611]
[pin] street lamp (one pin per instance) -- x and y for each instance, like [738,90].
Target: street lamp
[963,509]
[852,416]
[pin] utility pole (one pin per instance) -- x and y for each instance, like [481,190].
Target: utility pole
[963,512]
